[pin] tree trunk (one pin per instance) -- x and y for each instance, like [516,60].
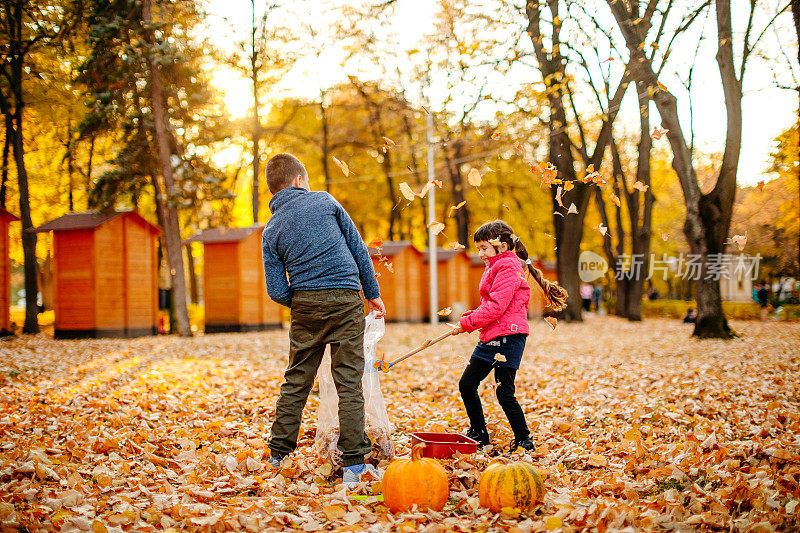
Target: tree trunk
[194,294]
[641,231]
[256,122]
[707,216]
[28,237]
[796,15]
[457,191]
[326,171]
[172,232]
[70,167]
[89,167]
[6,148]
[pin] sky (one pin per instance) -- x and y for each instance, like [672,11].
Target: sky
[767,109]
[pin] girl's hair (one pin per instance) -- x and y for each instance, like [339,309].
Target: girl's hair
[497,229]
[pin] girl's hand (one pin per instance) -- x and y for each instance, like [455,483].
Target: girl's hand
[457,330]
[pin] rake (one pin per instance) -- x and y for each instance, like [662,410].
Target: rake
[386,365]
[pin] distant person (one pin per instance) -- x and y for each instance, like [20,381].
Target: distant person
[597,296]
[311,238]
[502,318]
[586,296]
[763,299]
[691,316]
[653,294]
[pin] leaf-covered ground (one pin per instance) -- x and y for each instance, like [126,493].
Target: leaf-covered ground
[638,427]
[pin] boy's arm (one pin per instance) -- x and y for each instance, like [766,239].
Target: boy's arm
[506,281]
[275,274]
[366,271]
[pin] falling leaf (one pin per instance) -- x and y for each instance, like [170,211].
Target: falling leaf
[558,213]
[342,165]
[407,192]
[552,321]
[375,243]
[664,236]
[760,186]
[500,358]
[558,196]
[658,132]
[437,227]
[519,146]
[474,177]
[740,241]
[615,199]
[602,229]
[505,206]
[496,136]
[446,311]
[454,208]
[455,245]
[426,110]
[388,141]
[572,209]
[495,242]
[639,186]
[569,185]
[408,167]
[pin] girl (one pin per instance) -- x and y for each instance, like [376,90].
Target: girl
[502,318]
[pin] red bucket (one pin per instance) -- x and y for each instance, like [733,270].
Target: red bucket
[443,445]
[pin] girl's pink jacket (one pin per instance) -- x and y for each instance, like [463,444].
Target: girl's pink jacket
[505,294]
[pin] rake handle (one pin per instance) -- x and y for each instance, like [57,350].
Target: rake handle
[425,344]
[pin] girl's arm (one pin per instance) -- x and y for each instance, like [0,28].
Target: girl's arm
[506,281]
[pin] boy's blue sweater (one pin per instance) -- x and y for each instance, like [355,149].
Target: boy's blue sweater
[312,237]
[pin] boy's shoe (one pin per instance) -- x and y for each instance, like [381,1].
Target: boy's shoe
[526,444]
[274,462]
[480,435]
[352,475]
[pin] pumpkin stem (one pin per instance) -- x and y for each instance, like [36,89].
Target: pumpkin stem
[416,451]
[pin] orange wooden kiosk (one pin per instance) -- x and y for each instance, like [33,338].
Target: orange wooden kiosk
[453,280]
[234,288]
[400,290]
[5,272]
[104,274]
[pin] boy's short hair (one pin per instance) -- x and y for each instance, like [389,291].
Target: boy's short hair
[281,170]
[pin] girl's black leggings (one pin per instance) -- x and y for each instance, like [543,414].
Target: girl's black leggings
[477,370]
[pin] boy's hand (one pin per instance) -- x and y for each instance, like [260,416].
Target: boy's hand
[376,305]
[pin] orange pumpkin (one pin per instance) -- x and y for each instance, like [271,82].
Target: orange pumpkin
[417,480]
[505,484]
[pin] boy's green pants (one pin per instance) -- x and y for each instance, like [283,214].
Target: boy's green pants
[321,317]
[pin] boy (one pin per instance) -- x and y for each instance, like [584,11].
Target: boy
[312,238]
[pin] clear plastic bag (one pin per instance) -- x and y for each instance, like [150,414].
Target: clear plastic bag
[376,419]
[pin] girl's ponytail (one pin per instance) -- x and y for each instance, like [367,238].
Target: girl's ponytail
[497,229]
[556,294]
